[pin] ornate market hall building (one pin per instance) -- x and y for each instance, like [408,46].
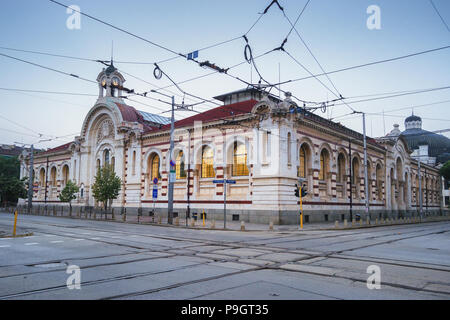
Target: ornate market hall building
[263,143]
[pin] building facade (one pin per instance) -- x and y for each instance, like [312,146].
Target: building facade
[263,143]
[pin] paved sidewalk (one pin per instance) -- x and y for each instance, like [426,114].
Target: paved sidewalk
[230,225]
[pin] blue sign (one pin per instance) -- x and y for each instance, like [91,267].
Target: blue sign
[172,164]
[155,181]
[155,193]
[225,181]
[231,181]
[192,55]
[217,181]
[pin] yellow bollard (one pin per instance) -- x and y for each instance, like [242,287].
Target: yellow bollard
[213,224]
[345,223]
[271,225]
[203,218]
[336,224]
[242,226]
[177,221]
[376,221]
[15,223]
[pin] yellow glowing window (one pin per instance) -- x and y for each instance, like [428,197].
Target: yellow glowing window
[155,167]
[302,167]
[179,167]
[207,163]
[323,165]
[240,160]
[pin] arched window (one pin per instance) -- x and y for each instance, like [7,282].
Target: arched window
[154,167]
[97,167]
[289,148]
[207,162]
[42,177]
[324,164]
[53,177]
[340,178]
[106,157]
[113,163]
[239,160]
[133,164]
[379,178]
[179,166]
[302,169]
[355,172]
[65,175]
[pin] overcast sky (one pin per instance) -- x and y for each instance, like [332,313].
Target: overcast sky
[335,31]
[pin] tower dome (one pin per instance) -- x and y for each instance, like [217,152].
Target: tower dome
[111,81]
[413,122]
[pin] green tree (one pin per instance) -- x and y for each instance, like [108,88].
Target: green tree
[11,186]
[445,170]
[68,193]
[106,186]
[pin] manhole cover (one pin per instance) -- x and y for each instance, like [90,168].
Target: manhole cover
[50,265]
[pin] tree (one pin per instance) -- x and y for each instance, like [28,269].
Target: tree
[11,186]
[68,193]
[445,170]
[106,186]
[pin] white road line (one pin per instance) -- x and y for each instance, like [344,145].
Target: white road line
[50,235]
[56,241]
[86,233]
[31,243]
[95,238]
[79,239]
[5,246]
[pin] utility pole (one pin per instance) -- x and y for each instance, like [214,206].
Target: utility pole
[171,173]
[188,211]
[351,177]
[30,182]
[366,178]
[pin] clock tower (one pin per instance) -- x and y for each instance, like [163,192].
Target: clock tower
[110,82]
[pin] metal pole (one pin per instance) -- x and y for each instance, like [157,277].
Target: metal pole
[30,182]
[420,192]
[224,203]
[366,178]
[351,177]
[171,182]
[188,211]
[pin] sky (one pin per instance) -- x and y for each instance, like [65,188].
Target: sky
[335,32]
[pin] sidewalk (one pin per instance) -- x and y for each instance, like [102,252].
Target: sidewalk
[7,231]
[232,225]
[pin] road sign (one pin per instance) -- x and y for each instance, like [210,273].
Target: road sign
[172,164]
[231,181]
[155,181]
[155,193]
[218,181]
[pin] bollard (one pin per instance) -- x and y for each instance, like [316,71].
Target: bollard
[360,222]
[336,224]
[192,222]
[15,223]
[177,221]
[368,221]
[271,225]
[345,223]
[159,219]
[376,221]
[242,226]
[213,224]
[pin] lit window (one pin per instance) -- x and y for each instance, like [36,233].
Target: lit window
[155,167]
[179,166]
[323,164]
[240,160]
[207,163]
[302,167]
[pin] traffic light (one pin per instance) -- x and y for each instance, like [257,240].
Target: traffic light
[297,194]
[304,193]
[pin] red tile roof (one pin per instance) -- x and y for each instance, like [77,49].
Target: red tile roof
[129,113]
[56,149]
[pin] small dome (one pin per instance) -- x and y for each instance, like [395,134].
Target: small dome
[413,118]
[110,69]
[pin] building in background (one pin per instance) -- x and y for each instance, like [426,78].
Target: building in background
[263,143]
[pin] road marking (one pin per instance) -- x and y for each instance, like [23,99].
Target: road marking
[5,246]
[56,241]
[50,235]
[79,239]
[31,243]
[86,233]
[95,238]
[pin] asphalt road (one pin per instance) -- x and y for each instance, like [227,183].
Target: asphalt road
[127,261]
